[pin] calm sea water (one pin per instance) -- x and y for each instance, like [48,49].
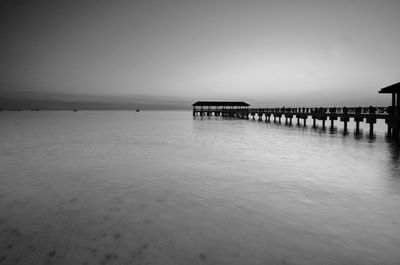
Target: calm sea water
[165,188]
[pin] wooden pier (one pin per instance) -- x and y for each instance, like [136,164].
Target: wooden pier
[242,110]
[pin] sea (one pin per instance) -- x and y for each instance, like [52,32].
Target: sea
[164,187]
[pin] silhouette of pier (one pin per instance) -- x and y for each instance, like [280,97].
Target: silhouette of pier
[370,114]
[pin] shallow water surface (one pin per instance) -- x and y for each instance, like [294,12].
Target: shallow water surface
[166,188]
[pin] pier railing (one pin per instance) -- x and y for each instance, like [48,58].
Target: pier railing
[330,110]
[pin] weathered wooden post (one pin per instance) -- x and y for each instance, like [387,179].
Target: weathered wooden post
[267,117]
[371,119]
[358,118]
[345,118]
[289,117]
[332,116]
[323,117]
[388,121]
[397,120]
[314,117]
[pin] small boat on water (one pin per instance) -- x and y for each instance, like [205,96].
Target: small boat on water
[137,110]
[75,110]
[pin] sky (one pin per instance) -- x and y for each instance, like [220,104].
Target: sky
[282,52]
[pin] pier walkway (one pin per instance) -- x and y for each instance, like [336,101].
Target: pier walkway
[370,115]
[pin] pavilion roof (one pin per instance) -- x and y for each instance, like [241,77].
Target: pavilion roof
[221,103]
[395,88]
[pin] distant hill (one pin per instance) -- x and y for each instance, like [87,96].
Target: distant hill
[53,101]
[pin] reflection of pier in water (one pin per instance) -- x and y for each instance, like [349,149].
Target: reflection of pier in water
[370,114]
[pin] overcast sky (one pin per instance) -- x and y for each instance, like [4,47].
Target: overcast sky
[262,50]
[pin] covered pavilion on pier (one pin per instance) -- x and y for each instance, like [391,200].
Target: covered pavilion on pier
[394,111]
[218,107]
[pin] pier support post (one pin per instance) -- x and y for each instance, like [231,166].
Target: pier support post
[358,120]
[298,120]
[345,119]
[389,127]
[396,125]
[394,118]
[332,119]
[323,118]
[371,121]
[289,117]
[305,121]
[314,124]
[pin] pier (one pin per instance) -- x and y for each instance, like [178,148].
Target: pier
[370,114]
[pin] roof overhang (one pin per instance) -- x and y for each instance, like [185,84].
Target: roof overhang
[221,103]
[395,88]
